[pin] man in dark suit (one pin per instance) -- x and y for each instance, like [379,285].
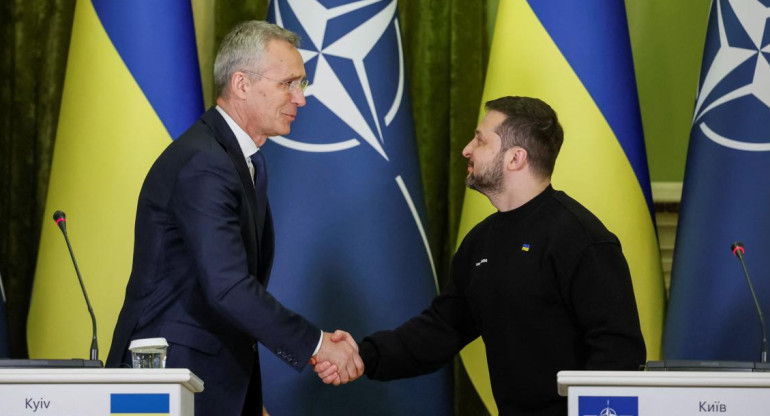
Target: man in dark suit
[204,236]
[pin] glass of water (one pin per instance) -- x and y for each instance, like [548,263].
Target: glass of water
[148,352]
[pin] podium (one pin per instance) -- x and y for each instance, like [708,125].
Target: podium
[98,391]
[656,393]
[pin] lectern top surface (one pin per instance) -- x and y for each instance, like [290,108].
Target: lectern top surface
[568,379]
[101,376]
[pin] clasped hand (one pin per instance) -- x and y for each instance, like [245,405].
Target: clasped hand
[337,361]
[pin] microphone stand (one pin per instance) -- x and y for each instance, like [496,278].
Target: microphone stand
[738,250]
[61,221]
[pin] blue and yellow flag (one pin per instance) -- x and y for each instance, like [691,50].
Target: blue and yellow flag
[345,187]
[132,84]
[726,195]
[136,404]
[576,56]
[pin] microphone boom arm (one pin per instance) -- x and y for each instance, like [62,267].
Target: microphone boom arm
[738,251]
[60,219]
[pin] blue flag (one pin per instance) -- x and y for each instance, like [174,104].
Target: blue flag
[345,190]
[726,195]
[4,352]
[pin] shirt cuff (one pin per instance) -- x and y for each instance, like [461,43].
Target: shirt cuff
[320,341]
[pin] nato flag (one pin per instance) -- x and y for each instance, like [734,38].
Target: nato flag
[726,195]
[345,190]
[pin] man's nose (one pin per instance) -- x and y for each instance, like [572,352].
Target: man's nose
[298,97]
[467,149]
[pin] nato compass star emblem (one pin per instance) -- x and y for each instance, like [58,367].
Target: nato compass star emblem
[335,92]
[358,94]
[607,411]
[608,406]
[737,82]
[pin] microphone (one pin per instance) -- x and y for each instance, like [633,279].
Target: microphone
[61,221]
[738,251]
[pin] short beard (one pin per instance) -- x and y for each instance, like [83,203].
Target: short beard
[489,181]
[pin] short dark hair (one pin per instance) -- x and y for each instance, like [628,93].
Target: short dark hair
[532,124]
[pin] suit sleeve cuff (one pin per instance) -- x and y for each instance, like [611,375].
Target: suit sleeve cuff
[369,355]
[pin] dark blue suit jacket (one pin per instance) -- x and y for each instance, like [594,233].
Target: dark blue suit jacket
[200,272]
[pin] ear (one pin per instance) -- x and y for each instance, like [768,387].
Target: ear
[516,158]
[239,85]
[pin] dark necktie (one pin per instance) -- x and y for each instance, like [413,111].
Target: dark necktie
[260,185]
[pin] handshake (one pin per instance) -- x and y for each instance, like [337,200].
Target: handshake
[337,361]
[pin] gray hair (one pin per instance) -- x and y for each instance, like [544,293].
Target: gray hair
[243,48]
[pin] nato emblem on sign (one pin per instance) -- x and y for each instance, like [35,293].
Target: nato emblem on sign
[608,406]
[735,80]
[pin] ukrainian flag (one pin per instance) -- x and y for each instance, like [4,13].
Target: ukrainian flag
[137,404]
[132,84]
[576,57]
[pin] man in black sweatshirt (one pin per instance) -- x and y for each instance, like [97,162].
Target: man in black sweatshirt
[542,281]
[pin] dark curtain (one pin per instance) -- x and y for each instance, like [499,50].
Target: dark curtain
[33,57]
[445,47]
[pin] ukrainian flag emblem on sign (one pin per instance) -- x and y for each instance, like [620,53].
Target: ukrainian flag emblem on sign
[139,404]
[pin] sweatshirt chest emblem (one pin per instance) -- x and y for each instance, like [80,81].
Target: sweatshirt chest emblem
[525,247]
[480,262]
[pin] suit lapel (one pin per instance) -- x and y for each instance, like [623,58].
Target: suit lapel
[227,139]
